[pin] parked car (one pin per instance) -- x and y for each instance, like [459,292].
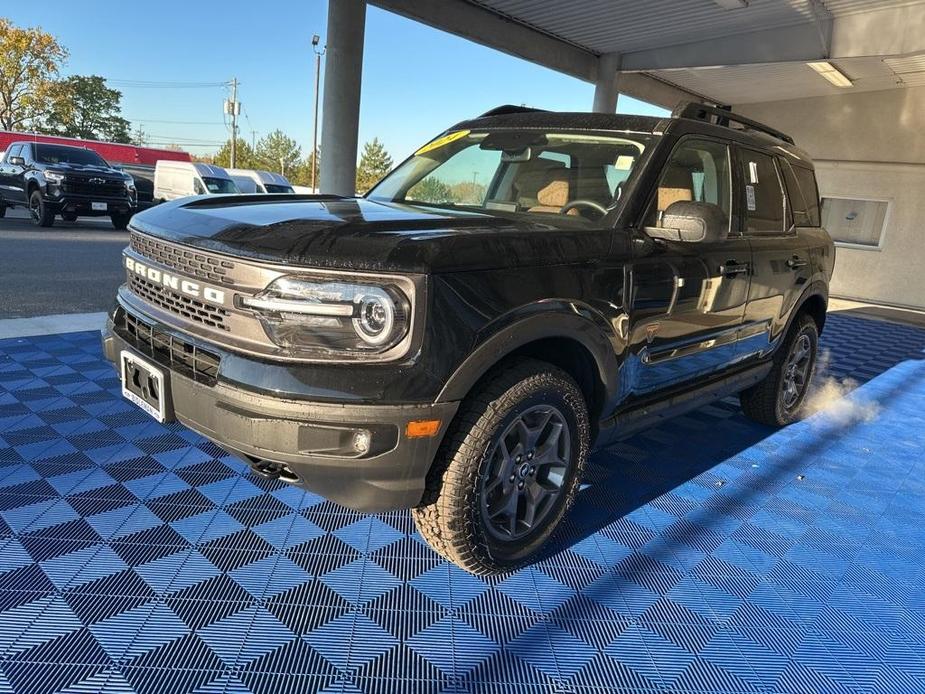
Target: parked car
[254,181]
[180,179]
[53,180]
[526,287]
[143,174]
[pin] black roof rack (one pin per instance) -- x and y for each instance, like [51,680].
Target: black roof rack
[722,117]
[509,108]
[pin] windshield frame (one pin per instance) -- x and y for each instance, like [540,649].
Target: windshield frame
[648,140]
[39,155]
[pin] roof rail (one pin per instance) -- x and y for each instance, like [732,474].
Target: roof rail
[702,112]
[509,108]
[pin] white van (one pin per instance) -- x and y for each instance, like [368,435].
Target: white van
[253,181]
[178,179]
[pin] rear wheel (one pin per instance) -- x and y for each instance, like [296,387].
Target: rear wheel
[69,217]
[120,221]
[41,215]
[779,398]
[2,211]
[508,470]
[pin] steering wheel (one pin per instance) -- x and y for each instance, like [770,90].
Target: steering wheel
[597,207]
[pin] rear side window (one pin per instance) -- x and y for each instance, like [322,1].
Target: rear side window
[794,194]
[764,196]
[806,178]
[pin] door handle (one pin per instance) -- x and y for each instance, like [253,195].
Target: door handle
[731,268]
[795,262]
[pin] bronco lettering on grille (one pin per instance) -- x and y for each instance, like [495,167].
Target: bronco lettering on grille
[174,282]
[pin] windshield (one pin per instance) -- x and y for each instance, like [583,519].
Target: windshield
[518,171]
[220,185]
[274,188]
[59,154]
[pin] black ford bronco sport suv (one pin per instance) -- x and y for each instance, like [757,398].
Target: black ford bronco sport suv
[52,179]
[524,288]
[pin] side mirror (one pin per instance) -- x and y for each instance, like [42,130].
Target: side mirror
[692,222]
[17,161]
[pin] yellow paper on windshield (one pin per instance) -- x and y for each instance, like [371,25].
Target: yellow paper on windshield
[441,141]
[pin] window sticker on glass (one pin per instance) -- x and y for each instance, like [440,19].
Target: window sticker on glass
[624,162]
[750,198]
[753,172]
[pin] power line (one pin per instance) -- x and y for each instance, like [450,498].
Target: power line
[150,84]
[175,122]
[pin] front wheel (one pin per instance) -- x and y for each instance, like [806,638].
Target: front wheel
[508,470]
[778,400]
[41,215]
[120,221]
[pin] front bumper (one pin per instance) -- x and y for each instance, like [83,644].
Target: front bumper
[309,444]
[82,204]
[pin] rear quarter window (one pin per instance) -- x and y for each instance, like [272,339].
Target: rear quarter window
[806,178]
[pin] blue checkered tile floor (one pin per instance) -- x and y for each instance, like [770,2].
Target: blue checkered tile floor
[710,554]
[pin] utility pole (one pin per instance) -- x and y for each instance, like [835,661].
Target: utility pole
[318,53]
[254,140]
[233,108]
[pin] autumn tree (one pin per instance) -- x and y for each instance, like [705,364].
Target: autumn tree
[90,111]
[29,63]
[375,162]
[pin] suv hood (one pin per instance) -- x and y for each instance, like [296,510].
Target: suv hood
[361,234]
[86,169]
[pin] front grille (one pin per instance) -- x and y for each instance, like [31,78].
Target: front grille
[105,190]
[168,350]
[186,261]
[185,306]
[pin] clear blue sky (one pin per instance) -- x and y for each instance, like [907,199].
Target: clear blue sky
[416,80]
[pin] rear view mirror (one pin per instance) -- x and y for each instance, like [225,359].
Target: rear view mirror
[17,161]
[692,222]
[523,155]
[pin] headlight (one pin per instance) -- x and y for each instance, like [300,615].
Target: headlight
[130,184]
[333,318]
[54,177]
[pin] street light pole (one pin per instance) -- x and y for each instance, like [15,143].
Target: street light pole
[318,53]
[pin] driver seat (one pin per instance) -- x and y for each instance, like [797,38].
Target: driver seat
[554,194]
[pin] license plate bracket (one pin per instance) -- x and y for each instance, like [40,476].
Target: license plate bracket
[146,385]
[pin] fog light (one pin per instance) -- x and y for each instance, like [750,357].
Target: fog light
[362,441]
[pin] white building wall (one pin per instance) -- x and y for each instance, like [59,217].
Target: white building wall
[868,145]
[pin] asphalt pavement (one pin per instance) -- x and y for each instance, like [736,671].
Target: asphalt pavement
[69,268]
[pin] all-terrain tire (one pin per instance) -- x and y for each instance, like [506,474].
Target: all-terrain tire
[451,517]
[120,221]
[765,402]
[41,215]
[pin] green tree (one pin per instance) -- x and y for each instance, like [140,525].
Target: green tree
[302,176]
[92,111]
[375,163]
[431,189]
[244,156]
[29,63]
[278,152]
